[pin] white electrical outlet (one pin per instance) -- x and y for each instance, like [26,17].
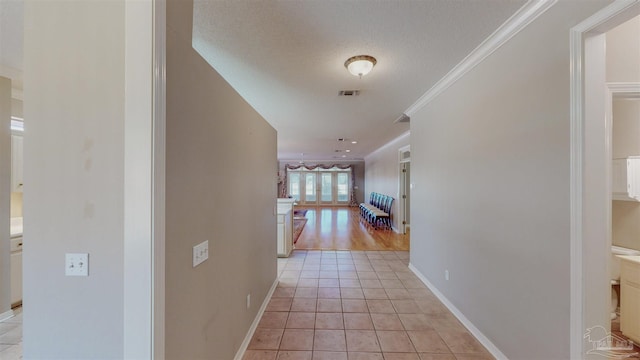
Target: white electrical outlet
[248,301]
[200,253]
[446,274]
[76,264]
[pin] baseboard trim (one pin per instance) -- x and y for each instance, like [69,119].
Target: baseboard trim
[458,314]
[256,321]
[7,315]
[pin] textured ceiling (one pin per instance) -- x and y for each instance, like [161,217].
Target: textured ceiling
[286,58]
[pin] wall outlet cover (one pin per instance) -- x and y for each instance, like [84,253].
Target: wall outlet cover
[200,253]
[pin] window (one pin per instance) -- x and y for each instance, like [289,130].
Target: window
[320,186]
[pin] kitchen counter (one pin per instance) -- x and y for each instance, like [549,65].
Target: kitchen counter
[283,209]
[16,227]
[285,205]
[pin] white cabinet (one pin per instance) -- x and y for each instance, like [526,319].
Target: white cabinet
[285,233]
[630,297]
[16,163]
[284,211]
[626,179]
[16,270]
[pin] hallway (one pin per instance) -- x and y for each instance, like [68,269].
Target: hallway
[357,305]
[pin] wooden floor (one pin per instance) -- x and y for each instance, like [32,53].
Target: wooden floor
[340,228]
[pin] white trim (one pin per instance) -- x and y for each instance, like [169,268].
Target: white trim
[7,315]
[256,321]
[577,119]
[576,318]
[518,21]
[402,150]
[144,179]
[158,180]
[624,90]
[401,188]
[460,316]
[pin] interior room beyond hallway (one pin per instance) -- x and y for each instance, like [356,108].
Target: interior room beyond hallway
[340,228]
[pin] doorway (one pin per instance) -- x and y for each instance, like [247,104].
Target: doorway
[326,187]
[590,194]
[404,193]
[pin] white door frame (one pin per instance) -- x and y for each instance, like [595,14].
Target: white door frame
[401,188]
[144,178]
[590,173]
[318,187]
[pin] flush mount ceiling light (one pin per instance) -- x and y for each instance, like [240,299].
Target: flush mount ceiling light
[360,65]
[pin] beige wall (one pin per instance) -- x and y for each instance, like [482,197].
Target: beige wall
[623,65]
[16,108]
[16,204]
[626,224]
[221,187]
[75,99]
[382,173]
[490,203]
[623,52]
[626,127]
[16,197]
[73,161]
[5,190]
[625,220]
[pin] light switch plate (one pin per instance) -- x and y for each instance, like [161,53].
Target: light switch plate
[200,253]
[76,264]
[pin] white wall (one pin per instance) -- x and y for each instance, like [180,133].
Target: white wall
[623,52]
[5,191]
[76,103]
[382,173]
[221,187]
[73,164]
[490,164]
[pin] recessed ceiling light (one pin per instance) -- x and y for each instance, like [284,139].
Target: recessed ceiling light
[347,150]
[354,142]
[344,155]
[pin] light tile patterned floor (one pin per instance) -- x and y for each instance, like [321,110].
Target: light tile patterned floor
[11,337]
[357,305]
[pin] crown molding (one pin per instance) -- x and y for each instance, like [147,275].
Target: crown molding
[518,21]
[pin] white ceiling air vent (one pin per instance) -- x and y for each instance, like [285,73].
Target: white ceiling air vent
[402,119]
[348,92]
